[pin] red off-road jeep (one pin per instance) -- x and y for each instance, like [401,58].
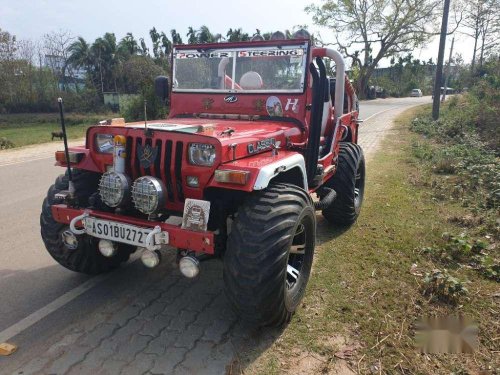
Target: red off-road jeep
[257,140]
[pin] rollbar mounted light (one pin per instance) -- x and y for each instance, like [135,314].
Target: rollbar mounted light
[71,187]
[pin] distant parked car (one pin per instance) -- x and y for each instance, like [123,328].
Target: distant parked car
[416,93]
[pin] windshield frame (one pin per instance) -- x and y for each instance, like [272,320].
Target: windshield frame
[230,47]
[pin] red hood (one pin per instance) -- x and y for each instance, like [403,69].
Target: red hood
[229,132]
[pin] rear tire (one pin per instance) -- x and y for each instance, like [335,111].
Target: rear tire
[86,258]
[269,254]
[349,183]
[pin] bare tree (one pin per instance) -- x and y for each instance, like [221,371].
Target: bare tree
[8,48]
[368,31]
[26,51]
[56,45]
[481,22]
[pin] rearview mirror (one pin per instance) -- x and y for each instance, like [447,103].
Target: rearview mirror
[162,88]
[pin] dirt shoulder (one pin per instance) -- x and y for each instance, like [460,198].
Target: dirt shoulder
[35,152]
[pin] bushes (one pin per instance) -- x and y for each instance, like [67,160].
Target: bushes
[441,286]
[5,143]
[456,148]
[133,110]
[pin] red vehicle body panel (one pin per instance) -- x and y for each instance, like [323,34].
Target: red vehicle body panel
[222,124]
[179,238]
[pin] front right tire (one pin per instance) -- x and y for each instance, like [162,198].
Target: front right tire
[269,254]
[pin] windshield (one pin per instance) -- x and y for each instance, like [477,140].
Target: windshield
[255,69]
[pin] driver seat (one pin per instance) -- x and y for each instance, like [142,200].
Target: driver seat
[251,81]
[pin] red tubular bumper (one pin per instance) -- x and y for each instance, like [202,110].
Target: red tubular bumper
[178,237]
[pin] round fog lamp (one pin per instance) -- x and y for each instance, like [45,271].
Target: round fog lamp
[114,188]
[148,194]
[107,248]
[189,266]
[150,258]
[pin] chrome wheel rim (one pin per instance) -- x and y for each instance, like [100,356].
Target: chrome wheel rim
[357,187]
[296,257]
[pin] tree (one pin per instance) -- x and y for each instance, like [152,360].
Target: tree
[237,35]
[56,45]
[489,27]
[481,23]
[204,35]
[176,37]
[368,31]
[128,45]
[106,59]
[191,35]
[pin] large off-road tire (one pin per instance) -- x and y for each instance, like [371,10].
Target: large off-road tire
[86,258]
[349,183]
[271,241]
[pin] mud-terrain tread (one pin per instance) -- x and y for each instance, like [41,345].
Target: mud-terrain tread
[342,212]
[257,254]
[86,258]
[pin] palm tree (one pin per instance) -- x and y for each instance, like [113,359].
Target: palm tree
[191,34]
[144,48]
[204,35]
[237,35]
[128,45]
[79,54]
[166,44]
[106,58]
[155,38]
[176,37]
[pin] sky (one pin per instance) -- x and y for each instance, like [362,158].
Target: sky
[31,19]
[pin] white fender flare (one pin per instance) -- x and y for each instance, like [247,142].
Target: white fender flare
[268,172]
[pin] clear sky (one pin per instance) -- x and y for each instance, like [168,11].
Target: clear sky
[30,19]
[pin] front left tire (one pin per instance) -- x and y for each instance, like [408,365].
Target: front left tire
[269,254]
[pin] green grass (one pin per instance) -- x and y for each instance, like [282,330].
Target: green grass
[361,286]
[33,128]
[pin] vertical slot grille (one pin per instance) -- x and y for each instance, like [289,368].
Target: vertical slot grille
[170,155]
[168,170]
[178,172]
[137,163]
[148,142]
[159,157]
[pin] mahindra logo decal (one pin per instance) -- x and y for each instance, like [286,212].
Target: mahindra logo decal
[146,155]
[230,99]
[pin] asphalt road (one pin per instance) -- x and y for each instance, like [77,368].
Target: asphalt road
[30,279]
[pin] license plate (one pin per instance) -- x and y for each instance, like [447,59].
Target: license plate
[114,231]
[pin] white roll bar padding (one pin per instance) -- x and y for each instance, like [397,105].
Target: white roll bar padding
[339,81]
[221,71]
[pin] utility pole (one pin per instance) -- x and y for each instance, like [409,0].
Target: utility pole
[439,67]
[448,71]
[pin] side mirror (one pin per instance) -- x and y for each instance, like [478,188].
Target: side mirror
[162,88]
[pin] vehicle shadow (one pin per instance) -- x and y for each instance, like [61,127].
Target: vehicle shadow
[326,231]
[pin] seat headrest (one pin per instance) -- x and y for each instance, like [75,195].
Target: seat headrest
[251,81]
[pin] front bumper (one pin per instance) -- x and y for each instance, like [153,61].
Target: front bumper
[202,242]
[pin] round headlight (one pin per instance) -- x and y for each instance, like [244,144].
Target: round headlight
[148,194]
[202,154]
[114,189]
